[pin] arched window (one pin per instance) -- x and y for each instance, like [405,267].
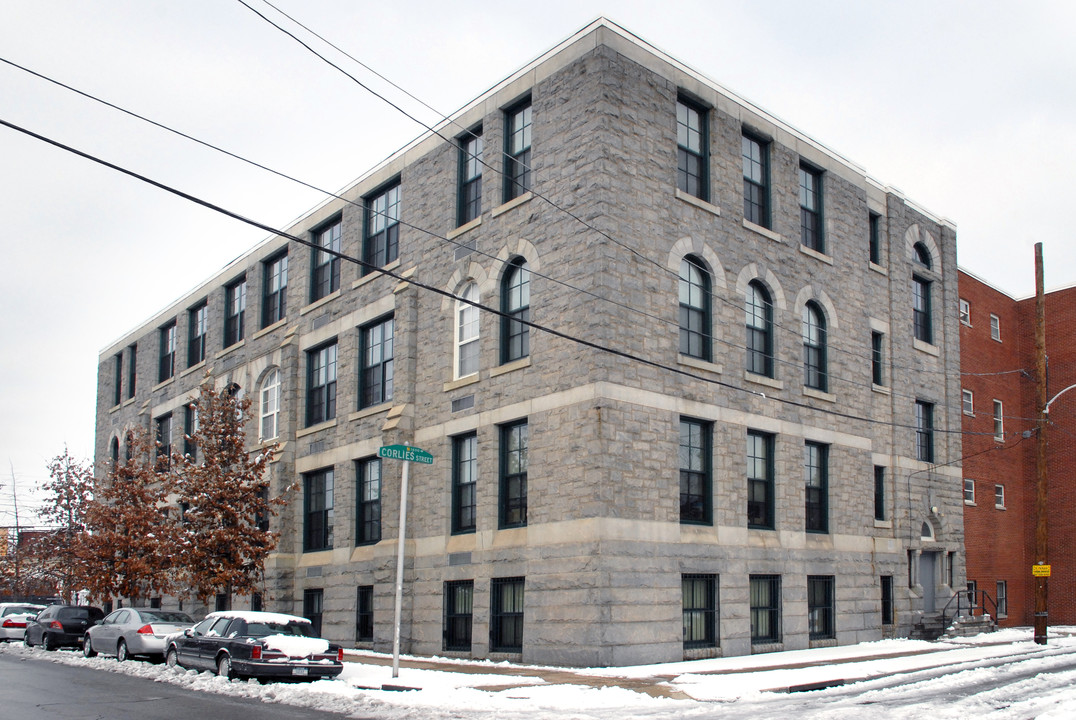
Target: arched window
[759,330]
[466,344]
[922,255]
[814,347]
[114,452]
[270,406]
[695,320]
[516,304]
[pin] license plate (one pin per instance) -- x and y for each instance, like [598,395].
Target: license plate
[300,671]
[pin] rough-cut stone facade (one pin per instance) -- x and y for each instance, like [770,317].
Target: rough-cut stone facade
[603,550]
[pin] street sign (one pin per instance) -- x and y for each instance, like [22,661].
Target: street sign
[1040,570]
[405,452]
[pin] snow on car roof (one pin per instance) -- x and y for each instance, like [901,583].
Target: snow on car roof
[258,616]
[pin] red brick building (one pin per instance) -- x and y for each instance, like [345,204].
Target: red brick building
[997,345]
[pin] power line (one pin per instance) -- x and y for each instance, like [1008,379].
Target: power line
[445,293]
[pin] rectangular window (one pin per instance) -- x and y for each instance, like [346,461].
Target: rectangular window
[381,244]
[368,501]
[811,208]
[197,326]
[968,402]
[965,311]
[999,496]
[513,471]
[375,372]
[364,614]
[459,614]
[760,507]
[325,273]
[696,504]
[874,237]
[692,145]
[877,359]
[1003,598]
[464,482]
[166,366]
[969,491]
[190,426]
[699,593]
[321,384]
[923,324]
[117,378]
[235,309]
[816,486]
[313,608]
[132,369]
[318,510]
[820,607]
[506,615]
[765,608]
[995,327]
[756,179]
[274,289]
[887,600]
[470,191]
[164,441]
[950,568]
[999,421]
[924,431]
[517,148]
[879,492]
[973,593]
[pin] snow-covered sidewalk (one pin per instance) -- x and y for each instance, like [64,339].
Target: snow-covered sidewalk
[734,687]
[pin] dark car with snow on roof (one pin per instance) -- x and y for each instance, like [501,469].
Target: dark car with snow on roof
[262,645]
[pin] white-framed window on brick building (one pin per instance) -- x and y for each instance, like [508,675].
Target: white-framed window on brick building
[965,312]
[1002,598]
[999,421]
[269,406]
[967,401]
[969,491]
[995,327]
[999,497]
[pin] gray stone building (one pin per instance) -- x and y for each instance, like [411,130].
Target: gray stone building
[707,401]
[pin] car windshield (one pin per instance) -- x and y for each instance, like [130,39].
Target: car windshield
[261,629]
[74,613]
[21,610]
[163,616]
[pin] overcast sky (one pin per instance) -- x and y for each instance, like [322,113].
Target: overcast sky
[968,108]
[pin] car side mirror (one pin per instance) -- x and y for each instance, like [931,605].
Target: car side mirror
[189,632]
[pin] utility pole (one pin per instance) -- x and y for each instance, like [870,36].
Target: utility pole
[1041,537]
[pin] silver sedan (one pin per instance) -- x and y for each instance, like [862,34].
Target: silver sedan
[13,619]
[134,631]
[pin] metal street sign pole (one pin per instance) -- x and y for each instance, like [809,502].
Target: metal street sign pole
[399,572]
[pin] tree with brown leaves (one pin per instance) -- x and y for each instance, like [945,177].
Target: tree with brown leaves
[224,490]
[130,546]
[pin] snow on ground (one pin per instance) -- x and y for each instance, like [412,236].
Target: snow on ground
[1002,676]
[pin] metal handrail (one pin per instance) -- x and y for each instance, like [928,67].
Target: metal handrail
[968,599]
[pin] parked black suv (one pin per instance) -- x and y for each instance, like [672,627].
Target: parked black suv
[61,625]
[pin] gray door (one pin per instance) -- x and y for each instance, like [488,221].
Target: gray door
[927,562]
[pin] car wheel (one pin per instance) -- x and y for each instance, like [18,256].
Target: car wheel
[27,641]
[224,667]
[121,651]
[87,647]
[171,658]
[48,642]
